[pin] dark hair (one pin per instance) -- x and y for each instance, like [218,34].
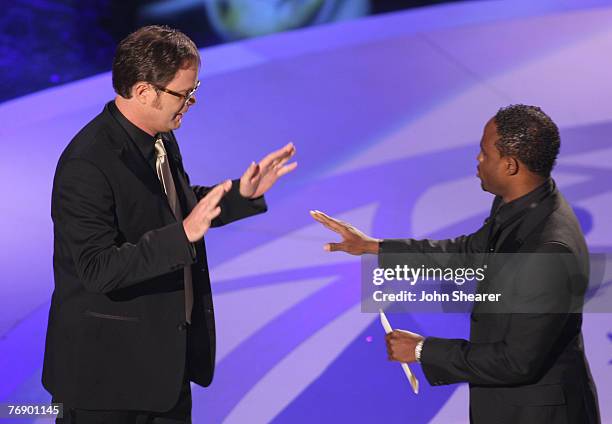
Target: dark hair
[153,54]
[529,135]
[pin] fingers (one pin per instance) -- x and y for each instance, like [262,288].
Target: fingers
[273,165]
[334,247]
[392,340]
[318,216]
[284,158]
[212,199]
[221,189]
[250,171]
[331,219]
[330,247]
[398,334]
[321,217]
[289,150]
[285,152]
[197,223]
[257,173]
[286,169]
[214,213]
[389,347]
[329,222]
[251,177]
[326,223]
[401,345]
[409,333]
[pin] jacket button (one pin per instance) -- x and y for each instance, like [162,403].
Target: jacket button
[182,326]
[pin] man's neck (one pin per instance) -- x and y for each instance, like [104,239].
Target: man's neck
[522,188]
[127,110]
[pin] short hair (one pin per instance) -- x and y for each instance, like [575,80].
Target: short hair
[153,54]
[529,135]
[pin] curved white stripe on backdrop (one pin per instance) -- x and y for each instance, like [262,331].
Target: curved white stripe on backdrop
[296,371]
[241,313]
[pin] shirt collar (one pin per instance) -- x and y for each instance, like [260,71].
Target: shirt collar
[507,211]
[144,141]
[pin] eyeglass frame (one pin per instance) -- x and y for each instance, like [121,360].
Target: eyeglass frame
[187,97]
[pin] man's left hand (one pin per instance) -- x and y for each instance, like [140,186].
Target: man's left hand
[401,345]
[259,177]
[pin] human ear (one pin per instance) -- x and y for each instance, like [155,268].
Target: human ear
[141,92]
[512,166]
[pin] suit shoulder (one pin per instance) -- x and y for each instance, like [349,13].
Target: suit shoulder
[91,140]
[562,228]
[91,143]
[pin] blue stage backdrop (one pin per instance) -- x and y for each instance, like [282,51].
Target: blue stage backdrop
[387,113]
[45,43]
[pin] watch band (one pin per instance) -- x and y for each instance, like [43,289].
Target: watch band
[418,349]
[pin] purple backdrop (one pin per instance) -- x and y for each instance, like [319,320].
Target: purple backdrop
[387,113]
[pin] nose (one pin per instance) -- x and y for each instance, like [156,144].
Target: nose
[192,100]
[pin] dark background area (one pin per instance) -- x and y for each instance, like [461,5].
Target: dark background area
[50,42]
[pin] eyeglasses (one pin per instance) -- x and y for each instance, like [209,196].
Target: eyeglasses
[186,97]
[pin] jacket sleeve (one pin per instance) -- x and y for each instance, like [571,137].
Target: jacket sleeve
[459,251]
[233,205]
[472,243]
[83,212]
[528,342]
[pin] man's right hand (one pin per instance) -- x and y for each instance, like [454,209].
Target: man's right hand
[353,241]
[198,221]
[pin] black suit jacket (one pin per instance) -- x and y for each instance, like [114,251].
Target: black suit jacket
[116,337]
[521,367]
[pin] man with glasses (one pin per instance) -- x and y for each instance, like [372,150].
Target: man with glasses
[187,97]
[131,322]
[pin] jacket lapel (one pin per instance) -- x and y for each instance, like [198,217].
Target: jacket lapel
[128,153]
[183,189]
[138,165]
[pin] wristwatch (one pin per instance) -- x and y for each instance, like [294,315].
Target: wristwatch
[417,350]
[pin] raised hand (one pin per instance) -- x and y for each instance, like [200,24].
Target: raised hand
[353,241]
[198,221]
[259,177]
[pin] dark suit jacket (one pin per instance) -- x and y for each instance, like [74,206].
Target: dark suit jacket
[116,336]
[521,367]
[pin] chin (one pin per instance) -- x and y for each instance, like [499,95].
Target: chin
[485,188]
[172,126]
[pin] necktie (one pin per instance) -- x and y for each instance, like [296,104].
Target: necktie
[165,177]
